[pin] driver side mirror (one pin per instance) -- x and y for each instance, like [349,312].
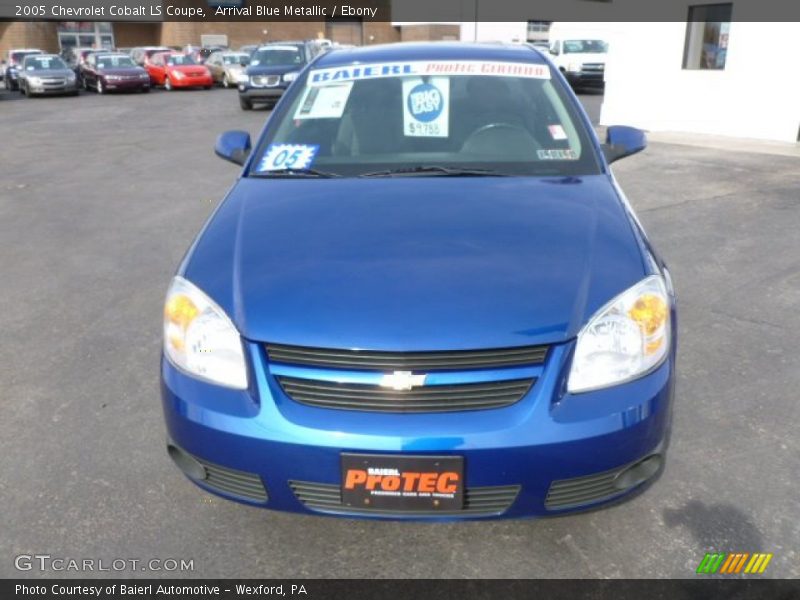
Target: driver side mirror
[233,146]
[622,141]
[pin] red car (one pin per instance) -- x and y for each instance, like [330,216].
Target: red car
[176,70]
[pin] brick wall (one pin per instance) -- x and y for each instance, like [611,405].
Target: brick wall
[241,33]
[423,32]
[127,35]
[23,34]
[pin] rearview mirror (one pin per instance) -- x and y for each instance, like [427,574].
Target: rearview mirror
[622,141]
[233,146]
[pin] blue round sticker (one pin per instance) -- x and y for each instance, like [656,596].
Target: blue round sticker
[425,102]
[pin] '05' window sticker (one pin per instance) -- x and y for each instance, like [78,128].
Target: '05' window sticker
[288,156]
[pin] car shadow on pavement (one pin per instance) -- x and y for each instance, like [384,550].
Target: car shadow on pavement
[716,526]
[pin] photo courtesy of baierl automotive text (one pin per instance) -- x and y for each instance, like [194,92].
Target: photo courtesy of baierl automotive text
[290,288]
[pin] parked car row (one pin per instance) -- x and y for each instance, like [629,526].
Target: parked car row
[261,73]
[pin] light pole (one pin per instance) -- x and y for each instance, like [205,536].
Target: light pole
[475,36]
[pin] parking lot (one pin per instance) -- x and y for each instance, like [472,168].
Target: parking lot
[99,199]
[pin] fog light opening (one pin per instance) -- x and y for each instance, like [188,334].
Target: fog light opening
[638,473]
[190,466]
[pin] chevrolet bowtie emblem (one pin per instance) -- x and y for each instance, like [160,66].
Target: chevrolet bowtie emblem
[402,380]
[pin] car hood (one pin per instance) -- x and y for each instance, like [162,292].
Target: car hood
[586,57]
[416,263]
[122,71]
[272,70]
[188,69]
[49,73]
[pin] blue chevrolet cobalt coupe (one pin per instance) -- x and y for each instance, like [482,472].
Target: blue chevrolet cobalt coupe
[425,297]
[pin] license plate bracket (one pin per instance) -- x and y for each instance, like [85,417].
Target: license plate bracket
[403,483]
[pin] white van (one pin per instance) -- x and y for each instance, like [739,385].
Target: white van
[579,53]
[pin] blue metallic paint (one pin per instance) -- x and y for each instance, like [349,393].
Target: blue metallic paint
[421,264]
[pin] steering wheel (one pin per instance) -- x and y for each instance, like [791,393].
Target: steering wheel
[506,126]
[513,138]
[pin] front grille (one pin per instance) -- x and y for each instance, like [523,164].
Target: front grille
[478,501]
[569,493]
[266,80]
[407,361]
[54,82]
[594,67]
[434,398]
[231,481]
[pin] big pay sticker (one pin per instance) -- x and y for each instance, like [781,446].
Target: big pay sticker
[426,107]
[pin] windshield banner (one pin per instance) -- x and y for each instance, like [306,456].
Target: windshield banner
[320,77]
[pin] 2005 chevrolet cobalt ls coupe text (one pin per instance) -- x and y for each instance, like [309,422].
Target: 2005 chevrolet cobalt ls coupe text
[425,297]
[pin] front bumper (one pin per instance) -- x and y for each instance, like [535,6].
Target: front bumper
[585,79]
[41,90]
[261,94]
[537,457]
[189,82]
[127,85]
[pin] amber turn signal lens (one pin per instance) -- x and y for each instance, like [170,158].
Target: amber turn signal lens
[180,310]
[650,312]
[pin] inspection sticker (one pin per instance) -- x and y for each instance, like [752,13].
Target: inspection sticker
[426,107]
[557,154]
[331,75]
[288,156]
[326,102]
[557,132]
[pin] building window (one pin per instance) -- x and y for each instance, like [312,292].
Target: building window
[707,31]
[538,26]
[85,34]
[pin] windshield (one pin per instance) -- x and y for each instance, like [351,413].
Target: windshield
[44,63]
[236,59]
[114,62]
[504,117]
[180,59]
[275,56]
[585,46]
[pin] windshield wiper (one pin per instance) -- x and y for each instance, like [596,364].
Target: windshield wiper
[436,170]
[294,173]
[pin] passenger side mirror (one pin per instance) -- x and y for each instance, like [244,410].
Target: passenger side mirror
[622,141]
[233,146]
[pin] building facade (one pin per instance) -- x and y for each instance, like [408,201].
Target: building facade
[52,36]
[710,75]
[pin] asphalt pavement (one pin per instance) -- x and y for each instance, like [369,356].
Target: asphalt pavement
[100,196]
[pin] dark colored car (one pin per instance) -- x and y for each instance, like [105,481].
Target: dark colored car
[76,59]
[113,72]
[44,74]
[272,68]
[424,297]
[15,58]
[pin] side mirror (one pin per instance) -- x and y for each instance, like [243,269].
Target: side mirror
[233,146]
[622,141]
[554,51]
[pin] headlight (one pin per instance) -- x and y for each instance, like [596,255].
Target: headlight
[70,76]
[574,67]
[625,339]
[289,77]
[200,338]
[176,74]
[144,76]
[34,80]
